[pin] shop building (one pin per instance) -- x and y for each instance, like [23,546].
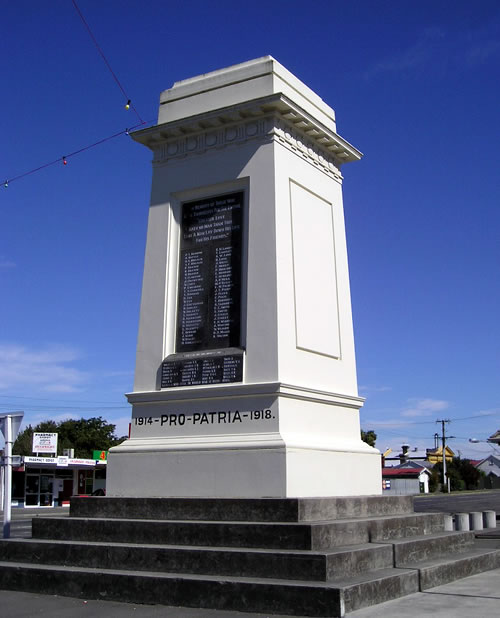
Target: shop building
[51,481]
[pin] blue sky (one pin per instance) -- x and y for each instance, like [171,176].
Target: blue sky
[415,86]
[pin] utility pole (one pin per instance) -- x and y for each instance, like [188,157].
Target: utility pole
[446,480]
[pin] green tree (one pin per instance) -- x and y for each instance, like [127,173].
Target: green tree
[462,474]
[83,435]
[469,474]
[370,437]
[434,479]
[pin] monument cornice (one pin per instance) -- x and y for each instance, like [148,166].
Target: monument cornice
[260,389]
[273,117]
[241,441]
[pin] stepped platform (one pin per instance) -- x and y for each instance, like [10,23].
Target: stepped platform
[303,557]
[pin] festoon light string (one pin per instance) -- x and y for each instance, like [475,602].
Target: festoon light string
[128,105]
[64,159]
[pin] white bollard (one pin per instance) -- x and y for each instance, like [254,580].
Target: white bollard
[462,521]
[476,520]
[489,519]
[448,522]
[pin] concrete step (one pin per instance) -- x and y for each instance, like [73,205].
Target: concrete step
[440,571]
[311,536]
[299,565]
[243,509]
[376,587]
[212,592]
[404,526]
[213,534]
[420,548]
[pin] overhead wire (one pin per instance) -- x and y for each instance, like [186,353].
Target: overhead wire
[59,400]
[64,158]
[397,424]
[42,408]
[127,98]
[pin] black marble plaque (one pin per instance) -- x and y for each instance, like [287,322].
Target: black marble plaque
[198,369]
[209,300]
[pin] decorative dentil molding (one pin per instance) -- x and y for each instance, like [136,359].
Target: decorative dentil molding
[299,143]
[271,127]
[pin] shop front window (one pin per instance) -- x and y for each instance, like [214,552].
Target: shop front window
[32,489]
[39,489]
[46,489]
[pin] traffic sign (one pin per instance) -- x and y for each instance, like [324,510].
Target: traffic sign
[16,418]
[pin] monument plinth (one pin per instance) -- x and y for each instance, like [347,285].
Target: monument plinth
[245,381]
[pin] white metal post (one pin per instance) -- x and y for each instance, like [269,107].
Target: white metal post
[7,505]
[1,486]
[9,425]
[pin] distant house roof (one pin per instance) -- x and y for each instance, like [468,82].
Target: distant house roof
[411,464]
[439,450]
[495,437]
[428,465]
[490,466]
[403,472]
[435,455]
[491,460]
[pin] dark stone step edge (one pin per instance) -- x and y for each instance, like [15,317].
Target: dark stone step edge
[305,565]
[297,598]
[315,536]
[423,548]
[244,509]
[438,572]
[237,594]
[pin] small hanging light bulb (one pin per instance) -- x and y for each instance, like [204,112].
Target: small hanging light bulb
[127,132]
[127,104]
[64,161]
[6,184]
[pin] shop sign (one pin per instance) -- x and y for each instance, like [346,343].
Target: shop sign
[81,462]
[40,460]
[60,462]
[44,443]
[100,455]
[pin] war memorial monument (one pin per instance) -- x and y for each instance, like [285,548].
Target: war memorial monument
[244,484]
[245,379]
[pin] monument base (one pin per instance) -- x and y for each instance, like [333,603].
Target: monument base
[246,445]
[252,473]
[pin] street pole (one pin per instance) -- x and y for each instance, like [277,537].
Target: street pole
[7,504]
[9,425]
[446,480]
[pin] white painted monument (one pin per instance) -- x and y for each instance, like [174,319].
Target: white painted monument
[245,381]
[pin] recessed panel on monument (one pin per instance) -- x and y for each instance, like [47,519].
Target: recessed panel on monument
[208,332]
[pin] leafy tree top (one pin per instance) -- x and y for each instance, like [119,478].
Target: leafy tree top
[370,437]
[83,435]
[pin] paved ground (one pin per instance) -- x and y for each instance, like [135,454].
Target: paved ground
[20,525]
[477,596]
[455,503]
